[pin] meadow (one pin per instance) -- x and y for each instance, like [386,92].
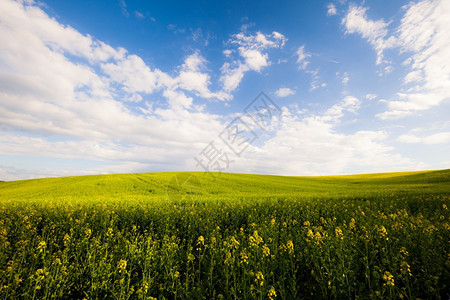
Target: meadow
[235,236]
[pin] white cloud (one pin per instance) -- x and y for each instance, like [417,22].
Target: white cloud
[425,33]
[331,9]
[52,106]
[356,21]
[309,144]
[437,138]
[232,76]
[284,92]
[315,82]
[227,52]
[136,77]
[302,57]
[349,103]
[388,69]
[254,59]
[303,62]
[178,99]
[250,48]
[123,6]
[133,74]
[84,112]
[345,78]
[191,78]
[139,15]
[371,96]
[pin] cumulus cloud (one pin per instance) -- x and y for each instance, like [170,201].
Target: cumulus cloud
[83,105]
[251,51]
[309,144]
[284,92]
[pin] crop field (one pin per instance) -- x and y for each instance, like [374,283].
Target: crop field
[235,236]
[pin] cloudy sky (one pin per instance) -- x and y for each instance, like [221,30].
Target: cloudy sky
[94,87]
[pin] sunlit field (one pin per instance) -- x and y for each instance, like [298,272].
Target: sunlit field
[235,236]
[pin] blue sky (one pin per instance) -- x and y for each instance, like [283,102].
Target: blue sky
[97,87]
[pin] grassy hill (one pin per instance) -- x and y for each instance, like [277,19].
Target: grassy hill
[234,236]
[154,186]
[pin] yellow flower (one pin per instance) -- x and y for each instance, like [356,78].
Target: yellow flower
[290,246]
[191,257]
[383,231]
[41,246]
[255,239]
[260,278]
[403,251]
[265,250]
[306,223]
[122,265]
[272,222]
[234,243]
[201,240]
[405,268]
[389,278]
[318,236]
[244,258]
[339,233]
[145,287]
[352,224]
[40,274]
[66,238]
[272,293]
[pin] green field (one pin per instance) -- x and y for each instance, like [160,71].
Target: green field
[237,236]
